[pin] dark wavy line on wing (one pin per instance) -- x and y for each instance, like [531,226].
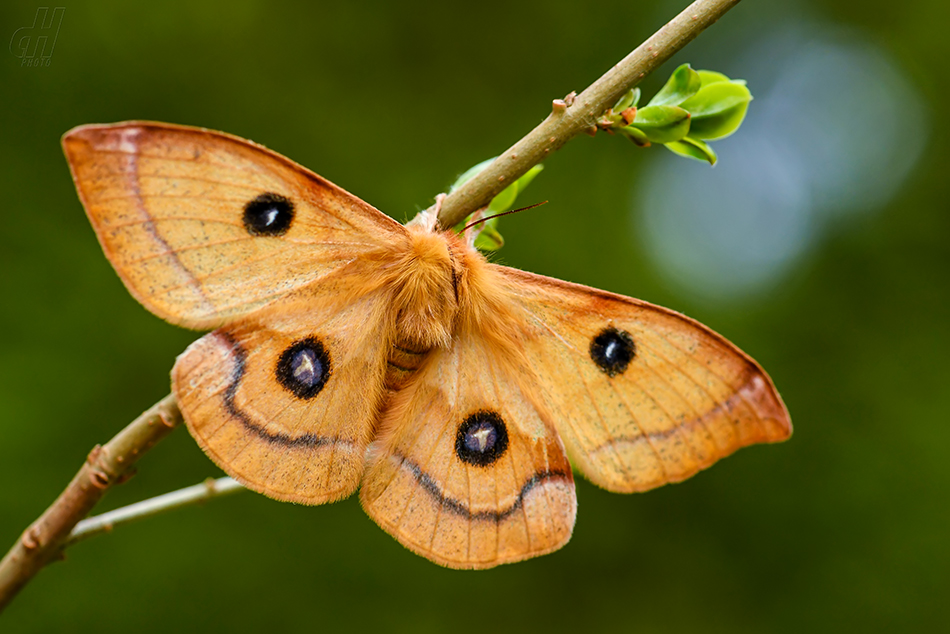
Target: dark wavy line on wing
[457,507]
[240,361]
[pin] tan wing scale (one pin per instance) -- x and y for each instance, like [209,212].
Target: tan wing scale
[458,513]
[686,398]
[167,203]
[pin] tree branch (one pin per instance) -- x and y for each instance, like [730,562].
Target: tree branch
[105,467]
[580,114]
[44,540]
[195,494]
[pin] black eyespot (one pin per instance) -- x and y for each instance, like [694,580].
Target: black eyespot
[268,215]
[481,439]
[304,368]
[612,350]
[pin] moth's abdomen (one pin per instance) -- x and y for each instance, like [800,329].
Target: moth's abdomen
[403,362]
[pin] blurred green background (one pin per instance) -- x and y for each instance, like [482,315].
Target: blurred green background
[844,527]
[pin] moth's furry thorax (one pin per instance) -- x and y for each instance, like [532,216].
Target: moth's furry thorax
[441,285]
[424,287]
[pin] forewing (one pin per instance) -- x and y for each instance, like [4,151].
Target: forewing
[641,395]
[466,472]
[203,226]
[286,405]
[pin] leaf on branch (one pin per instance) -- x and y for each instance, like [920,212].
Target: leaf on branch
[693,148]
[629,100]
[682,84]
[662,124]
[718,109]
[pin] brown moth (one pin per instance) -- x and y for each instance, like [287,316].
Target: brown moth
[349,351]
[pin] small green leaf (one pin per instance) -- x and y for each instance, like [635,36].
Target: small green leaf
[528,176]
[719,126]
[629,100]
[712,77]
[506,199]
[693,148]
[715,98]
[488,238]
[718,109]
[662,124]
[636,136]
[682,84]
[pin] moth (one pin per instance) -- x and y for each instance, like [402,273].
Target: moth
[348,351]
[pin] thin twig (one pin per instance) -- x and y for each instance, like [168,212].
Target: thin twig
[574,115]
[42,541]
[194,494]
